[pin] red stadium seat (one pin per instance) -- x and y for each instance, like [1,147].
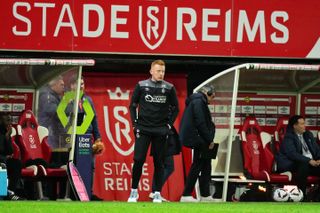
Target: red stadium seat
[28,172]
[280,131]
[33,144]
[258,158]
[32,141]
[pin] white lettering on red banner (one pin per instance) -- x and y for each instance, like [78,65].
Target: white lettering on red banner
[246,28]
[215,28]
[118,177]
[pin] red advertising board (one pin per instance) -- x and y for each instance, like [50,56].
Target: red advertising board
[275,28]
[14,101]
[111,96]
[310,109]
[267,109]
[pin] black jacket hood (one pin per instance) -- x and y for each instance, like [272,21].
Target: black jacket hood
[194,96]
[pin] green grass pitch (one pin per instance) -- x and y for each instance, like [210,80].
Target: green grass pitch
[123,207]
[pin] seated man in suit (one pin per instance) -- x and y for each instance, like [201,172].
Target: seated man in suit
[299,152]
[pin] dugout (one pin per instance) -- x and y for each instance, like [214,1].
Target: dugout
[23,81]
[266,91]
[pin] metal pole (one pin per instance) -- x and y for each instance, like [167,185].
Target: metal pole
[230,138]
[75,109]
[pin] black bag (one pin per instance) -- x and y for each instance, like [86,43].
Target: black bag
[174,145]
[207,153]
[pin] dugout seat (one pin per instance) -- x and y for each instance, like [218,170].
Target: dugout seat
[33,144]
[257,158]
[32,141]
[279,132]
[27,172]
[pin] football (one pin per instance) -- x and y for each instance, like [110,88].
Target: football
[295,194]
[280,195]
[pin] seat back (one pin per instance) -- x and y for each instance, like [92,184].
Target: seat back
[280,131]
[16,150]
[257,159]
[32,138]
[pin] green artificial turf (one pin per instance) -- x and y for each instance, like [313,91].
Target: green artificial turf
[123,207]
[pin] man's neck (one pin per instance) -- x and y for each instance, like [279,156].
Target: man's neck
[155,81]
[298,133]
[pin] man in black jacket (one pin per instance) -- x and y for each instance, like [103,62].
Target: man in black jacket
[197,131]
[157,103]
[49,100]
[299,153]
[13,166]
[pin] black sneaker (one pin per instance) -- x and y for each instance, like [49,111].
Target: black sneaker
[15,197]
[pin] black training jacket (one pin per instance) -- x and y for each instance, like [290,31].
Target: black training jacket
[156,102]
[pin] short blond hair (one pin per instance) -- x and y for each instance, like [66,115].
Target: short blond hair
[159,62]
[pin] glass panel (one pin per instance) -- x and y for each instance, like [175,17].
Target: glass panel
[276,80]
[55,111]
[220,109]
[27,76]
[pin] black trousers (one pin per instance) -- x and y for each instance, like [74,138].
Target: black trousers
[142,143]
[199,165]
[303,170]
[167,171]
[14,167]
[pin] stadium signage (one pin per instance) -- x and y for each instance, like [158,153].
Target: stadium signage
[213,28]
[117,177]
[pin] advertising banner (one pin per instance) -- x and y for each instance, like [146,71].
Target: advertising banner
[310,109]
[275,28]
[111,96]
[14,101]
[83,159]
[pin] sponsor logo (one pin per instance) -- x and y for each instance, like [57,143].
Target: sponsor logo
[255,147]
[32,141]
[155,99]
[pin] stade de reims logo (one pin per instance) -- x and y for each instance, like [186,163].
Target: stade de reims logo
[152,29]
[117,121]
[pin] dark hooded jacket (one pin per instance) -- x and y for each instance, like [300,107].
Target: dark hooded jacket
[5,144]
[291,150]
[196,127]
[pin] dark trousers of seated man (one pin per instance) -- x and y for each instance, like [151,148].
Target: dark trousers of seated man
[302,171]
[199,165]
[14,167]
[58,159]
[158,146]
